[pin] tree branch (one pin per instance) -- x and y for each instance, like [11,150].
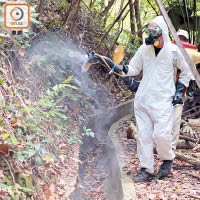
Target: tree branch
[116,20]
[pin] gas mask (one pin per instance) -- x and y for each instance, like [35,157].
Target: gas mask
[153,34]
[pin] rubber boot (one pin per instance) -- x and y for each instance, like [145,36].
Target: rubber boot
[143,176]
[165,168]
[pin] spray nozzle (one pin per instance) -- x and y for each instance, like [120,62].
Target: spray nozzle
[91,59]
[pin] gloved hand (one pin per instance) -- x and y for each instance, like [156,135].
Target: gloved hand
[131,83]
[134,85]
[121,69]
[178,97]
[190,91]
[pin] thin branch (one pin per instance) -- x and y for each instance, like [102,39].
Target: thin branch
[11,67]
[196,141]
[87,7]
[188,159]
[187,111]
[194,196]
[110,4]
[9,169]
[24,105]
[152,7]
[112,47]
[194,175]
[116,20]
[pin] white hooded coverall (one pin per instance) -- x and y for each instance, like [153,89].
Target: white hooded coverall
[153,101]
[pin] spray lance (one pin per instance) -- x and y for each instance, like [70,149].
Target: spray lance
[113,66]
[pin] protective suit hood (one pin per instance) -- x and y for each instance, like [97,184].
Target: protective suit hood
[159,20]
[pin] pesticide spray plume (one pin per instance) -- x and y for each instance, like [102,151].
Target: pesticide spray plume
[86,66]
[64,58]
[55,51]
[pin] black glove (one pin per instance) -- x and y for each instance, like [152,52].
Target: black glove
[93,57]
[190,91]
[134,86]
[178,97]
[131,83]
[121,69]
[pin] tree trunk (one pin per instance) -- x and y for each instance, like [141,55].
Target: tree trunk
[106,11]
[41,7]
[132,17]
[107,8]
[120,9]
[138,20]
[72,11]
[92,3]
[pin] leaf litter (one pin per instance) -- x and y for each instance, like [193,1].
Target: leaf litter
[180,185]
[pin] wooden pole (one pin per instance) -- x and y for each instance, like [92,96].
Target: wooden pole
[178,42]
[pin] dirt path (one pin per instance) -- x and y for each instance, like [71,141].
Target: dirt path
[179,186]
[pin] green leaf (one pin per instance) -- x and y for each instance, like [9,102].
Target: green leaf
[18,44]
[20,132]
[71,86]
[68,80]
[35,21]
[61,115]
[5,136]
[34,14]
[20,157]
[48,158]
[91,134]
[2,81]
[41,149]
[4,71]
[60,109]
[25,189]
[30,137]
[38,160]
[14,140]
[47,141]
[58,132]
[37,147]
[29,152]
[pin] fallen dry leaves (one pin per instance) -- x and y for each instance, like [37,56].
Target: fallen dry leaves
[181,185]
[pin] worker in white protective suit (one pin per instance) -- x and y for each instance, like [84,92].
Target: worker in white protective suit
[184,37]
[155,97]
